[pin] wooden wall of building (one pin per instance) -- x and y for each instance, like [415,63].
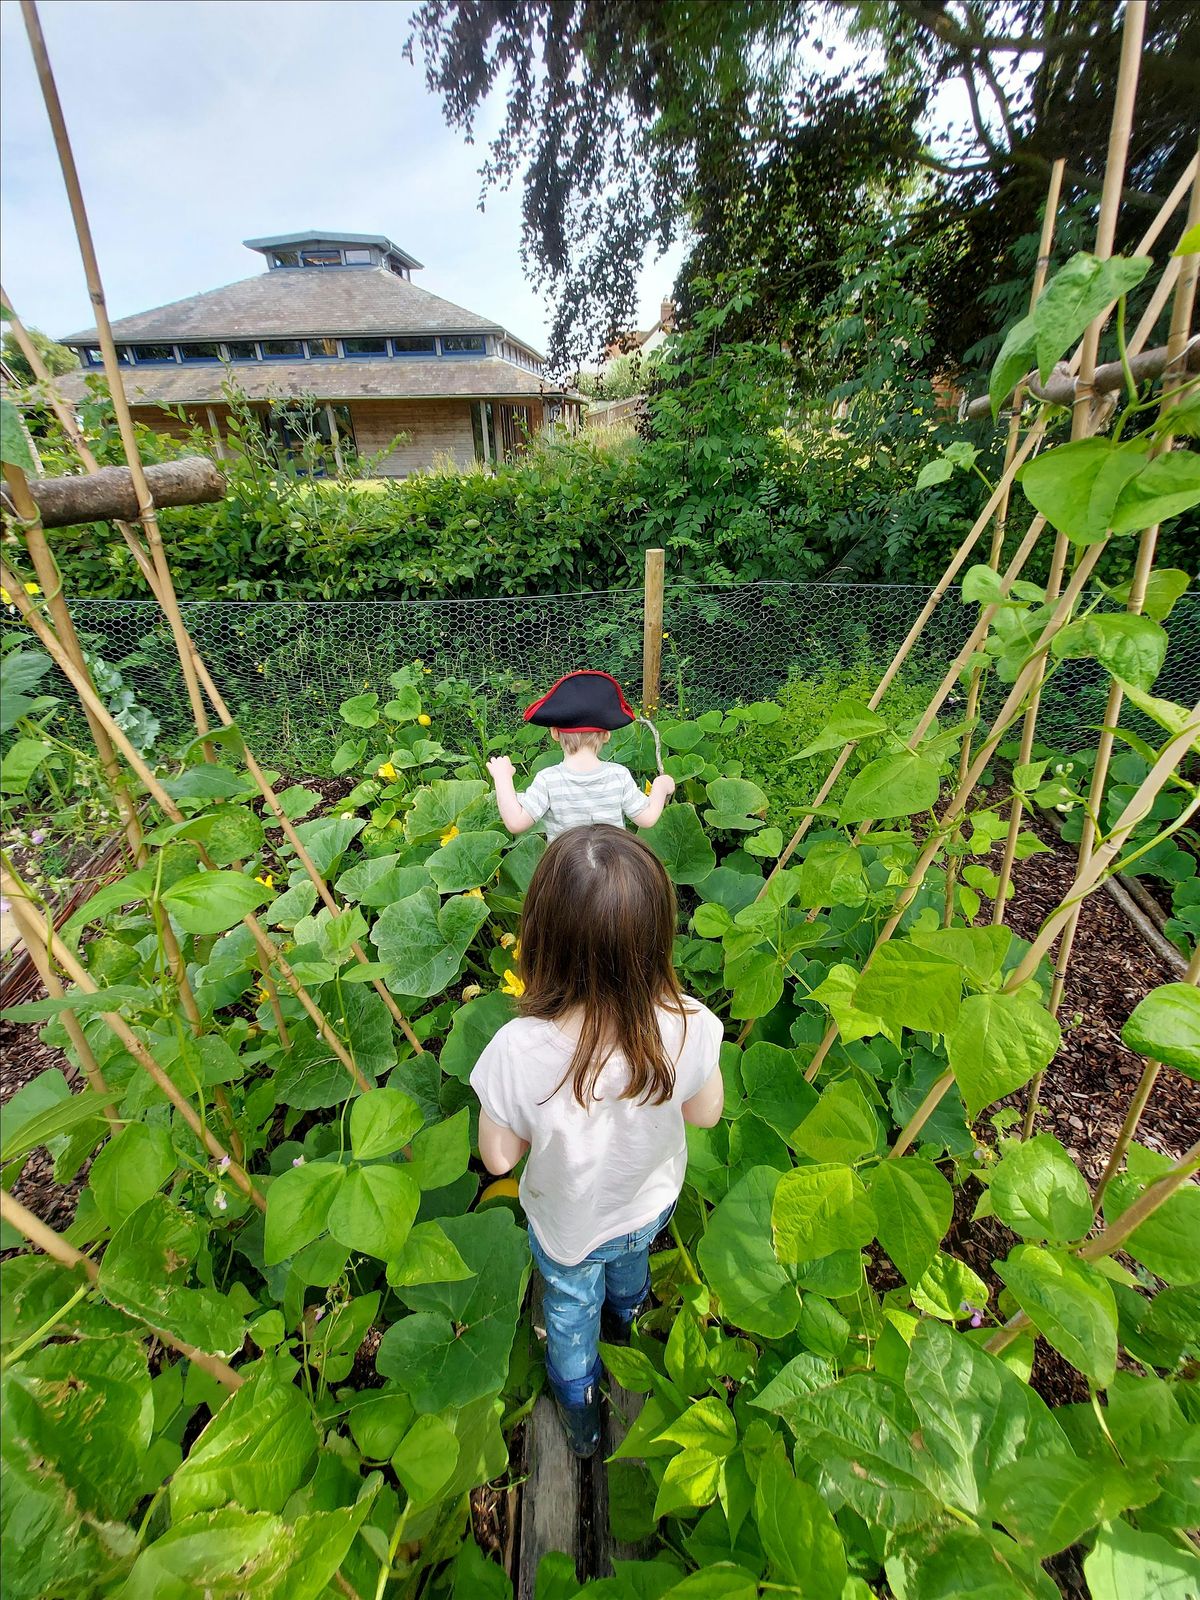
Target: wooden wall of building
[433,428]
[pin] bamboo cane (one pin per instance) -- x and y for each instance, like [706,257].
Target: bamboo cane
[112,370]
[1115,1235]
[86,693]
[1041,267]
[51,584]
[146,565]
[1137,1104]
[56,1247]
[53,948]
[30,925]
[1181,317]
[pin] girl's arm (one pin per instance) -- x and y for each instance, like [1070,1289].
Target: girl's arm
[660,792]
[512,813]
[704,1109]
[500,1147]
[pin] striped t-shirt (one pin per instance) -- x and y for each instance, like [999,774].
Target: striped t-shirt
[570,799]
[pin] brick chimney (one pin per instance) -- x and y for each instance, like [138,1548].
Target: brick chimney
[666,315]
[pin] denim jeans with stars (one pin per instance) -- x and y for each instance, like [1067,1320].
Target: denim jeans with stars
[616,1273]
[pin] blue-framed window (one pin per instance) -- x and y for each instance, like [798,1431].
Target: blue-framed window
[282,349]
[414,344]
[241,350]
[358,349]
[320,258]
[322,349]
[153,355]
[200,352]
[463,344]
[355,257]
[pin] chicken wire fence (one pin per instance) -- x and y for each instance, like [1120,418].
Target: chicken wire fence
[284,667]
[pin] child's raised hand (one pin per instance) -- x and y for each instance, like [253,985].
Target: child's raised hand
[665,783]
[501,767]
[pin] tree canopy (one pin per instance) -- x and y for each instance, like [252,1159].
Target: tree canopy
[56,356]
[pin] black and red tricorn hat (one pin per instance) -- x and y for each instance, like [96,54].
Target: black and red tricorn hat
[582,702]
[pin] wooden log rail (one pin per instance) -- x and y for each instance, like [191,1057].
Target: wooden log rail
[110,493]
[1059,387]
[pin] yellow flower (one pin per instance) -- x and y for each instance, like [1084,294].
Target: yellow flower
[666,635]
[428,671]
[646,786]
[264,994]
[258,667]
[507,940]
[471,992]
[267,880]
[517,951]
[32,588]
[387,770]
[346,814]
[450,833]
[5,597]
[512,984]
[473,894]
[426,722]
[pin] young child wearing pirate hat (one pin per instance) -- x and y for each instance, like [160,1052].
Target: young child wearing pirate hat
[581,711]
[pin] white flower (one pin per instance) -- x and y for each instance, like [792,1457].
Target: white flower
[297,1161]
[221,1202]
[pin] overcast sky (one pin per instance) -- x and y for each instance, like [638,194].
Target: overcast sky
[199,123]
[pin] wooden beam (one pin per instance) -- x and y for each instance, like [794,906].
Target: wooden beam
[652,632]
[111,493]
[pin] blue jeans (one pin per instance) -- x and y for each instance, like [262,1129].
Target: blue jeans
[617,1272]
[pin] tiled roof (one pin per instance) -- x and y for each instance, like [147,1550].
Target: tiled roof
[302,301]
[440,379]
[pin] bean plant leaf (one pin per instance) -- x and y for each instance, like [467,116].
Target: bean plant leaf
[426,1256]
[455,1346]
[681,843]
[914,1206]
[254,1452]
[1015,357]
[382,1123]
[1128,1564]
[690,1479]
[820,1209]
[997,1044]
[774,1081]
[891,786]
[1039,1192]
[1048,1504]
[1168,486]
[442,1153]
[14,440]
[422,940]
[298,1205]
[1165,1026]
[798,1533]
[144,1272]
[473,1028]
[842,1126]
[210,902]
[1069,1303]
[848,720]
[912,987]
[1076,486]
[1080,290]
[1168,1242]
[373,1209]
[132,1166]
[1129,647]
[738,1261]
[426,1458]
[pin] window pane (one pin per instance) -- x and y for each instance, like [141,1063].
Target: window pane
[359,258]
[420,344]
[200,352]
[153,352]
[455,344]
[285,258]
[322,258]
[365,347]
[282,349]
[242,350]
[322,349]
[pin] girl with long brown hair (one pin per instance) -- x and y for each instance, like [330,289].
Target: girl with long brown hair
[594,1081]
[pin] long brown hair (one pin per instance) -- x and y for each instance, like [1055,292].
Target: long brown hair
[597,935]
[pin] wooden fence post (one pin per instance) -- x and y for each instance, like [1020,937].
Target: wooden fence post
[652,632]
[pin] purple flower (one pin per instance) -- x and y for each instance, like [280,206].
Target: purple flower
[5,907]
[223,1164]
[974,1312]
[38,836]
[977,1319]
[297,1161]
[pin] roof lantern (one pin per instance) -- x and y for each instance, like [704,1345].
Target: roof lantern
[325,248]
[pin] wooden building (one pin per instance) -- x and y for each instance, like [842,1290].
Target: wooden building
[337,323]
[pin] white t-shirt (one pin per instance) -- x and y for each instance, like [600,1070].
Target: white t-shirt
[593,1174]
[608,793]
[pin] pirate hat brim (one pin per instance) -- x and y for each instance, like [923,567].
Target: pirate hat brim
[582,702]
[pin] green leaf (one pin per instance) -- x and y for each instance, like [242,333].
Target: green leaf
[469,861]
[21,760]
[425,1459]
[360,711]
[473,1028]
[1165,1026]
[1127,1564]
[455,1347]
[937,471]
[1070,1304]
[14,443]
[1080,290]
[849,719]
[210,902]
[1163,587]
[144,1272]
[911,987]
[1167,486]
[1039,1192]
[382,1122]
[840,1127]
[255,1451]
[690,1479]
[837,990]
[1130,647]
[1168,1242]
[1015,357]
[707,1425]
[132,1166]
[774,1081]
[1049,1504]
[440,806]
[891,786]
[914,1206]
[1076,486]
[680,842]
[374,1208]
[818,1210]
[298,1205]
[737,1259]
[426,1256]
[997,1044]
[802,1375]
[423,940]
[946,1286]
[980,952]
[326,839]
[976,1416]
[736,801]
[379,880]
[831,874]
[442,1153]
[801,1540]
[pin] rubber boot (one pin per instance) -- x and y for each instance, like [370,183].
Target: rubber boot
[578,1403]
